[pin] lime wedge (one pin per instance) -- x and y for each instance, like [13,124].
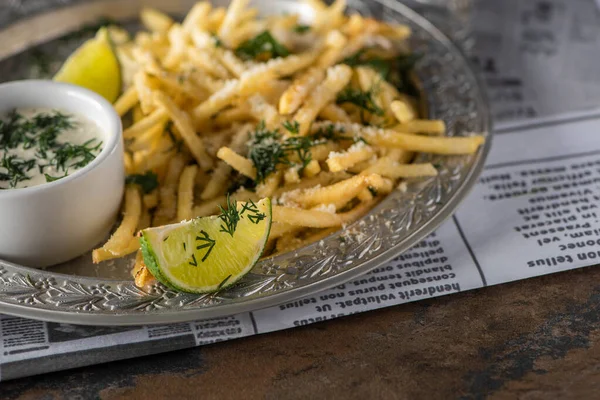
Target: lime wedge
[94,66]
[202,255]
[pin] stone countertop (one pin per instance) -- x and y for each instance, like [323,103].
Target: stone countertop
[534,339]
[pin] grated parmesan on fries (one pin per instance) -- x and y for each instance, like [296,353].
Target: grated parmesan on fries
[323,118]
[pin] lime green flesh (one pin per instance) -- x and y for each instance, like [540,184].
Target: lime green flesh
[94,66]
[171,252]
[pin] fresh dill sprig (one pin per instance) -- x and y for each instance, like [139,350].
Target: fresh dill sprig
[253,213]
[360,99]
[16,169]
[229,216]
[329,133]
[207,241]
[262,46]
[78,155]
[148,181]
[301,28]
[266,151]
[301,146]
[292,127]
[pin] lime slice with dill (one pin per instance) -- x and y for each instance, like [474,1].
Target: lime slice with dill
[94,65]
[210,253]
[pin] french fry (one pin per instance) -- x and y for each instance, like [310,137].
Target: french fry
[207,63]
[263,111]
[158,117]
[325,93]
[217,183]
[337,194]
[434,127]
[185,197]
[356,153]
[293,97]
[126,101]
[184,125]
[455,145]
[167,206]
[312,168]
[155,21]
[403,111]
[196,16]
[231,62]
[237,162]
[334,113]
[145,140]
[392,169]
[119,243]
[140,272]
[307,218]
[291,176]
[150,199]
[232,19]
[268,187]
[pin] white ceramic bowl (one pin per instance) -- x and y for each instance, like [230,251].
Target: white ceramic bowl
[57,221]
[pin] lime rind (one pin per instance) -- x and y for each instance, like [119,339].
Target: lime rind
[155,252]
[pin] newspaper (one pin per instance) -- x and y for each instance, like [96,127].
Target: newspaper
[537,196]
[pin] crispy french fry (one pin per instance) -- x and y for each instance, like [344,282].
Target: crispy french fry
[185,197]
[158,117]
[140,272]
[293,97]
[184,125]
[268,187]
[119,243]
[325,93]
[155,21]
[167,206]
[392,169]
[126,101]
[403,111]
[312,169]
[232,19]
[356,153]
[338,194]
[307,218]
[334,113]
[217,183]
[237,162]
[434,127]
[263,111]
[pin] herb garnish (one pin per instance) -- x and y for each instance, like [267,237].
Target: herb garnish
[301,28]
[267,151]
[254,215]
[208,243]
[218,42]
[396,70]
[360,99]
[262,46]
[16,169]
[292,127]
[148,181]
[229,216]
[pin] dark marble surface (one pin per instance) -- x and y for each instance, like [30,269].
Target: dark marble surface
[535,339]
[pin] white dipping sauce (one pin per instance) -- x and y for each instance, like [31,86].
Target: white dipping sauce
[42,145]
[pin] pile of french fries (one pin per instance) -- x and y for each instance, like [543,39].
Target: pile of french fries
[195,105]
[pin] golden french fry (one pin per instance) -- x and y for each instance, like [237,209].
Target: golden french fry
[268,187]
[184,125]
[293,97]
[141,275]
[312,169]
[263,111]
[120,241]
[151,199]
[126,101]
[217,182]
[325,93]
[334,113]
[155,20]
[158,117]
[392,169]
[307,218]
[167,206]
[358,152]
[232,19]
[211,207]
[403,111]
[434,127]
[237,162]
[337,194]
[185,197]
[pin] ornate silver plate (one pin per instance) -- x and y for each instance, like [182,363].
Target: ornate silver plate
[45,32]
